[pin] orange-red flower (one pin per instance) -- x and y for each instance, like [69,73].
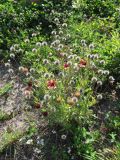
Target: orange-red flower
[82,63]
[30,84]
[25,70]
[77,94]
[37,105]
[45,113]
[51,84]
[66,65]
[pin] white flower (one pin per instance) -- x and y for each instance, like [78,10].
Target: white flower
[34,50]
[38,44]
[7,64]
[69,150]
[30,141]
[10,71]
[22,139]
[57,41]
[99,83]
[64,38]
[69,63]
[64,25]
[41,142]
[111,78]
[53,32]
[27,40]
[91,46]
[53,131]
[60,32]
[52,76]
[56,20]
[94,79]
[63,137]
[70,56]
[106,72]
[100,71]
[20,50]
[12,49]
[45,61]
[57,62]
[77,58]
[50,54]
[46,75]
[68,35]
[96,56]
[36,150]
[21,68]
[46,97]
[83,41]
[99,96]
[61,74]
[102,62]
[60,46]
[75,99]
[44,43]
[12,55]
[57,36]
[34,34]
[32,70]
[16,46]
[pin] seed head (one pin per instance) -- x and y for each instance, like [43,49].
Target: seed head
[106,72]
[63,137]
[111,78]
[38,44]
[99,83]
[91,46]
[34,50]
[7,64]
[64,25]
[12,55]
[10,71]
[101,72]
[47,97]
[45,61]
[27,40]
[102,62]
[94,79]
[57,62]
[75,99]
[99,96]
[12,49]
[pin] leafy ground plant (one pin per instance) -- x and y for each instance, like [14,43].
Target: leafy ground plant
[66,79]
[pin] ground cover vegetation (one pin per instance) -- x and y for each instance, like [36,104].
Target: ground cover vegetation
[60,80]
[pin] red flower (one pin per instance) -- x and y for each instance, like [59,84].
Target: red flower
[82,63]
[45,113]
[30,83]
[51,84]
[37,105]
[66,65]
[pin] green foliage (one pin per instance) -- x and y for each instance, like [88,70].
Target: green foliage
[93,8]
[63,66]
[5,89]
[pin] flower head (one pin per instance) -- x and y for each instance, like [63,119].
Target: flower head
[63,137]
[82,63]
[45,113]
[37,105]
[51,84]
[66,65]
[99,96]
